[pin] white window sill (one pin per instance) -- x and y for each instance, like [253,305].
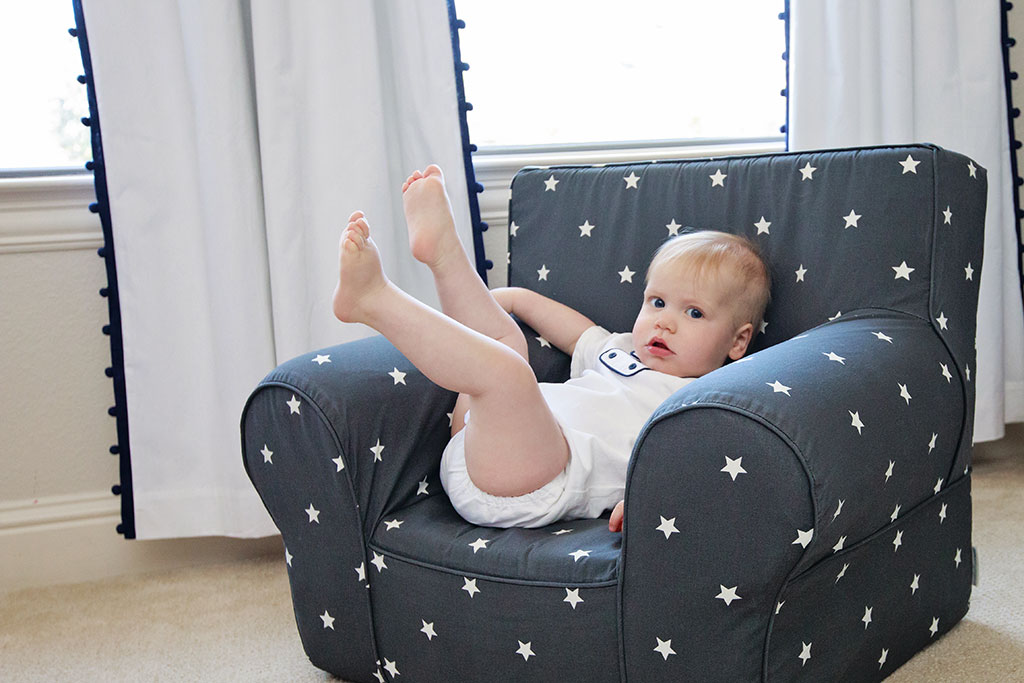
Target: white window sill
[48,213]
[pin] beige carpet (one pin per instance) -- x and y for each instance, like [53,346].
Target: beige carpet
[233,622]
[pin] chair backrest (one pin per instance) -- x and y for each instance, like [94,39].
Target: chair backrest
[897,228]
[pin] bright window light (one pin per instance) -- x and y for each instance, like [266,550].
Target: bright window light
[585,71]
[43,103]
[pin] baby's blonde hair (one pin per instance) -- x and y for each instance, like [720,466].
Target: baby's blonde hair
[710,252]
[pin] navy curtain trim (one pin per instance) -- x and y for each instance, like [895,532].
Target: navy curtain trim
[475,188]
[785,58]
[102,207]
[1012,114]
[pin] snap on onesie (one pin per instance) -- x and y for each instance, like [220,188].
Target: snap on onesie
[601,409]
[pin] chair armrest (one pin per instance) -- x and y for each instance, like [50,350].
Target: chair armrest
[749,476]
[366,420]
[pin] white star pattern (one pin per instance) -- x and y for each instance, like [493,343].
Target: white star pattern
[398,376]
[288,557]
[851,219]
[838,314]
[807,172]
[550,183]
[867,617]
[888,472]
[762,226]
[909,165]
[728,595]
[904,394]
[942,513]
[915,584]
[267,453]
[391,668]
[800,272]
[931,444]
[479,544]
[947,217]
[525,650]
[626,275]
[803,537]
[328,620]
[972,169]
[314,514]
[293,405]
[895,513]
[718,179]
[469,586]
[903,271]
[390,525]
[664,648]
[779,388]
[839,544]
[378,675]
[898,541]
[586,229]
[421,487]
[942,320]
[673,227]
[377,450]
[542,274]
[572,596]
[544,343]
[945,372]
[834,357]
[938,486]
[361,571]
[969,272]
[839,508]
[339,462]
[561,531]
[378,562]
[320,360]
[882,337]
[842,572]
[733,467]
[428,629]
[513,229]
[934,628]
[631,180]
[578,554]
[856,420]
[957,558]
[881,660]
[668,526]
[805,653]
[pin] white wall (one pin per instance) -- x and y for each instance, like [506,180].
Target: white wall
[57,515]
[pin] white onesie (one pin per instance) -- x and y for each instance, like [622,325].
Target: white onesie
[601,409]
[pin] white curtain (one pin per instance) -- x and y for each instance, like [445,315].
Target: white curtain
[866,72]
[238,136]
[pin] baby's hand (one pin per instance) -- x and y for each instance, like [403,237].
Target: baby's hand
[615,521]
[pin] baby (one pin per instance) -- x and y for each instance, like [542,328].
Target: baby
[524,453]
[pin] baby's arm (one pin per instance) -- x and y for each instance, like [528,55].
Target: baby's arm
[556,322]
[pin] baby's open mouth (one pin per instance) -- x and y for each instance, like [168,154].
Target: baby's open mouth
[659,348]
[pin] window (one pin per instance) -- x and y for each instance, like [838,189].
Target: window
[598,71]
[40,122]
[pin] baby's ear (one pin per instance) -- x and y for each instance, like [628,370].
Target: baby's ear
[741,341]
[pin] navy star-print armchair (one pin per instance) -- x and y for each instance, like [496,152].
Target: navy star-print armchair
[802,514]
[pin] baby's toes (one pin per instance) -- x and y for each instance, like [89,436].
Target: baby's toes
[355,216]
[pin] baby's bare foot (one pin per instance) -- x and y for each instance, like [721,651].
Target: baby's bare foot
[428,213]
[360,274]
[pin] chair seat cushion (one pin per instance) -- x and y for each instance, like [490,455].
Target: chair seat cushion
[578,553]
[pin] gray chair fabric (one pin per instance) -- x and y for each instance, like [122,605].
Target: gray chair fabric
[802,514]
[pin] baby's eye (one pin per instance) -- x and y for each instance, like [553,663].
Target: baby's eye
[694,313]
[657,302]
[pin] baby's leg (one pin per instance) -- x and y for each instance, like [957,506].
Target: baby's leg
[434,242]
[513,443]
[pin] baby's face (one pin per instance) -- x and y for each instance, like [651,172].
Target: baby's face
[687,328]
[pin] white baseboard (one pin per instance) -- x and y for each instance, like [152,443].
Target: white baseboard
[71,539]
